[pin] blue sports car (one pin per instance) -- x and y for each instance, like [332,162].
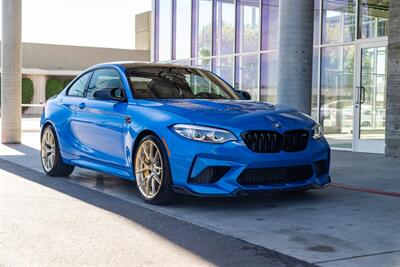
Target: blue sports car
[178,129]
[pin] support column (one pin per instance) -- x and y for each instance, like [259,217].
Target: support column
[393,83]
[295,54]
[11,72]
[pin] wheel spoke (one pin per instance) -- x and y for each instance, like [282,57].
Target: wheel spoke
[153,186]
[144,169]
[157,179]
[145,152]
[151,152]
[148,169]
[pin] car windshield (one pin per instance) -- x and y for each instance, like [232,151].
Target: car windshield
[177,83]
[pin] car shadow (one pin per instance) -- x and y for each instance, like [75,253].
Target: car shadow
[216,248]
[126,190]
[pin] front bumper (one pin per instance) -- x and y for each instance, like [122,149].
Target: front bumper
[189,158]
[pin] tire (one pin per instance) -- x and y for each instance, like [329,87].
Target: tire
[50,155]
[153,172]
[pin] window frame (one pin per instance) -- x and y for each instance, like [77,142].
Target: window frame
[105,68]
[90,72]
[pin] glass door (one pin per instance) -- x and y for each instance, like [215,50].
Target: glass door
[370,98]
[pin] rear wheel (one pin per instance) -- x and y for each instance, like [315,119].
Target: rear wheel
[50,155]
[152,171]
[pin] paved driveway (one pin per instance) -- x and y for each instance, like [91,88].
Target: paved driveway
[355,222]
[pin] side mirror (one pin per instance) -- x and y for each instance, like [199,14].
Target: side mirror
[115,94]
[244,94]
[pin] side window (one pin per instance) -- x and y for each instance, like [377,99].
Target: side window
[104,79]
[78,87]
[140,86]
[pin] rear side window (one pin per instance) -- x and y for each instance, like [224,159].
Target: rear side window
[104,79]
[78,87]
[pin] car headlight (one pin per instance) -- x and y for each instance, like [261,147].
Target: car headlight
[203,133]
[317,131]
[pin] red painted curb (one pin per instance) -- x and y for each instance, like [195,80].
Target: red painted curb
[366,190]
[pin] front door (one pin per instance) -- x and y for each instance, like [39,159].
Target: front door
[370,98]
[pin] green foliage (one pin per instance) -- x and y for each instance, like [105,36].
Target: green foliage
[66,82]
[54,87]
[27,92]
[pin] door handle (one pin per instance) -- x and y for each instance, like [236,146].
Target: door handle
[81,105]
[362,95]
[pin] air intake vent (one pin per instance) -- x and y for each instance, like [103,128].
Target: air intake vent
[211,174]
[271,176]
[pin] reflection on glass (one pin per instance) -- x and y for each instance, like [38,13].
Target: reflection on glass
[204,28]
[373,91]
[183,30]
[249,25]
[336,113]
[202,63]
[165,30]
[317,24]
[248,75]
[223,67]
[338,21]
[269,77]
[270,20]
[185,62]
[225,27]
[314,99]
[373,18]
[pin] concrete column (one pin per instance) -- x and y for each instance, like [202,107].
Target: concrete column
[393,83]
[11,72]
[295,53]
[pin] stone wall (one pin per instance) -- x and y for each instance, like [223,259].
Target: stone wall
[393,83]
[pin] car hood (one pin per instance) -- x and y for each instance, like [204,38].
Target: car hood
[239,114]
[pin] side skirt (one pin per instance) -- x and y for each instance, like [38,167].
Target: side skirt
[102,168]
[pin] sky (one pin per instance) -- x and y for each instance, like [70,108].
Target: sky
[100,23]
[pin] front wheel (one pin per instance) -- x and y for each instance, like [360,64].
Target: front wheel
[50,154]
[152,171]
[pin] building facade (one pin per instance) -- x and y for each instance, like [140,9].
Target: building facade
[239,40]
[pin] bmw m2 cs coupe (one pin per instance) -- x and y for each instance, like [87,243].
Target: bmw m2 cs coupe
[177,129]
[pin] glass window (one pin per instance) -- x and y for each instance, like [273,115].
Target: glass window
[183,30]
[248,25]
[270,21]
[185,62]
[373,18]
[317,21]
[315,91]
[78,87]
[269,77]
[223,67]
[173,83]
[338,21]
[373,86]
[203,28]
[202,63]
[337,81]
[247,71]
[165,30]
[225,27]
[104,79]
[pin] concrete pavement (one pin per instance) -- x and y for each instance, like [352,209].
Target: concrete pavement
[352,223]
